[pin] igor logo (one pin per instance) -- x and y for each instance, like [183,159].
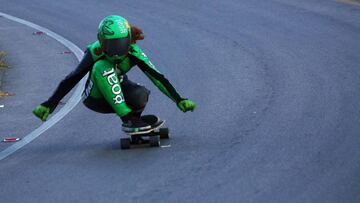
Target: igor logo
[115,87]
[106,30]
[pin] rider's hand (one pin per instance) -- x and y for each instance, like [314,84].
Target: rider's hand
[186,105]
[41,112]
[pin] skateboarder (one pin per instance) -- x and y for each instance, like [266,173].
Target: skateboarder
[108,89]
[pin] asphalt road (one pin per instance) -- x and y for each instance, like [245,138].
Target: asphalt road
[277,87]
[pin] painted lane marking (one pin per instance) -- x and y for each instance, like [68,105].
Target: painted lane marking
[70,104]
[350,2]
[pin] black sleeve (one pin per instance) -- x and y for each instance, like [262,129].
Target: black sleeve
[158,76]
[70,81]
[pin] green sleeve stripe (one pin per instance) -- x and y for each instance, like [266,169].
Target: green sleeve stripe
[139,58]
[161,87]
[160,81]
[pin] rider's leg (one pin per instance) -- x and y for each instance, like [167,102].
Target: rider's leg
[136,96]
[104,84]
[96,102]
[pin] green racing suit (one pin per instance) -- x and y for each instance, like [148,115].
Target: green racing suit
[107,80]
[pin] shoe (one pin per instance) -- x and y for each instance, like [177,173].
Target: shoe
[133,124]
[152,120]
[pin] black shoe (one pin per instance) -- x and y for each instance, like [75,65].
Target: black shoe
[133,124]
[152,120]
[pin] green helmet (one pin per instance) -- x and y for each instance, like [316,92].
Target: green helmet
[114,36]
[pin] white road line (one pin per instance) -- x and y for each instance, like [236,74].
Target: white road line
[70,104]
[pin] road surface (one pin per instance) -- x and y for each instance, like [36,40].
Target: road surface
[277,88]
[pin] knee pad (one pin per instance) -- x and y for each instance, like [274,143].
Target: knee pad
[136,98]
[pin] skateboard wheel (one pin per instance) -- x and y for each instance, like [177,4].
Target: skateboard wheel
[125,143]
[164,133]
[154,141]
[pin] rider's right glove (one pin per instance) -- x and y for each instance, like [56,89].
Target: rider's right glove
[41,112]
[186,105]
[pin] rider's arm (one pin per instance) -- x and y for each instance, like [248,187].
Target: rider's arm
[70,81]
[156,77]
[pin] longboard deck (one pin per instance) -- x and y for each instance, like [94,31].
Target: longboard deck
[147,132]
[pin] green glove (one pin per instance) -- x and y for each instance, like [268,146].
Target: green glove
[41,112]
[186,105]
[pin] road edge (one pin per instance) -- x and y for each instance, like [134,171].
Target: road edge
[70,104]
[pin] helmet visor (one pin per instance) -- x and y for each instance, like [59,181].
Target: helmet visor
[119,46]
